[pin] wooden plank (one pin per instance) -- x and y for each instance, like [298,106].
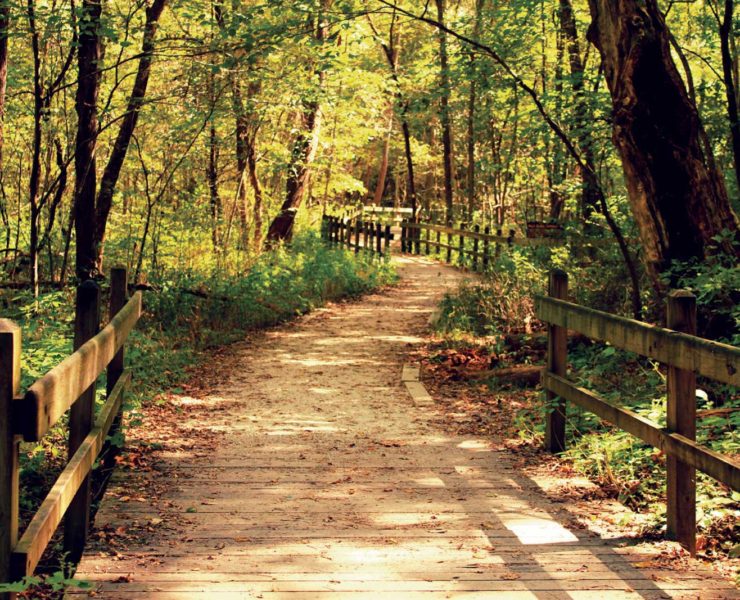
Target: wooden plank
[712,463]
[31,546]
[410,373]
[715,360]
[10,375]
[681,419]
[50,397]
[81,417]
[418,393]
[557,363]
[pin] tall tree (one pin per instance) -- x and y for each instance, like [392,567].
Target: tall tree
[677,196]
[305,144]
[444,111]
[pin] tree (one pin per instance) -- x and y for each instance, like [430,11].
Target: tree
[678,198]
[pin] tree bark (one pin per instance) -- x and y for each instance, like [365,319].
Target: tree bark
[678,199]
[128,125]
[444,113]
[728,76]
[304,149]
[86,105]
[4,26]
[383,171]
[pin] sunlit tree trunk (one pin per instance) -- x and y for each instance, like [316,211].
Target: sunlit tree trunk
[678,198]
[383,170]
[304,148]
[726,33]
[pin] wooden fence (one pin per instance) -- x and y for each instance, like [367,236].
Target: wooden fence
[70,385]
[472,246]
[685,357]
[358,234]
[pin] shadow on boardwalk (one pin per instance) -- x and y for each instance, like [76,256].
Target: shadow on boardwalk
[325,481]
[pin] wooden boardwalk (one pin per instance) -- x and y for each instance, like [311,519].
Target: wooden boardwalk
[321,478]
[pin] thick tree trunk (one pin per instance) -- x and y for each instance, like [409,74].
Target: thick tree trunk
[444,113]
[303,153]
[86,105]
[128,125]
[678,200]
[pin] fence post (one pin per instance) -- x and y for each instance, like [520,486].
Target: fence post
[486,248]
[476,246]
[403,236]
[387,238]
[681,419]
[427,236]
[417,239]
[118,298]
[77,520]
[365,235]
[461,245]
[499,233]
[358,228]
[438,247]
[379,238]
[10,375]
[557,363]
[449,243]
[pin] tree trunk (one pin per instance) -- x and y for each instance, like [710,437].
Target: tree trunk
[444,113]
[4,25]
[581,111]
[383,171]
[128,125]
[678,200]
[725,36]
[86,105]
[304,150]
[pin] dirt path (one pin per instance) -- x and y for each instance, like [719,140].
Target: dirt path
[310,473]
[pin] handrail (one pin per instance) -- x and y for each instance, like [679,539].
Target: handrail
[685,355]
[52,395]
[71,384]
[705,357]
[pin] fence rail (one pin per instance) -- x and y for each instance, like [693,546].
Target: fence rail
[685,356]
[485,245]
[69,386]
[369,236]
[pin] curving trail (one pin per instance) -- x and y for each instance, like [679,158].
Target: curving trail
[310,473]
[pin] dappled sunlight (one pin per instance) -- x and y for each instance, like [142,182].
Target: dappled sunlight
[537,531]
[475,445]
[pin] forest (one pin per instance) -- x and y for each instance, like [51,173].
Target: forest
[202,144]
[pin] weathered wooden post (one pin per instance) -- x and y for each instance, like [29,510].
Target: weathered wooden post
[486,248]
[387,239]
[476,245]
[365,234]
[81,416]
[403,236]
[557,363]
[10,376]
[118,299]
[426,238]
[681,419]
[449,242]
[379,238]
[461,245]
[438,249]
[358,229]
[417,238]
